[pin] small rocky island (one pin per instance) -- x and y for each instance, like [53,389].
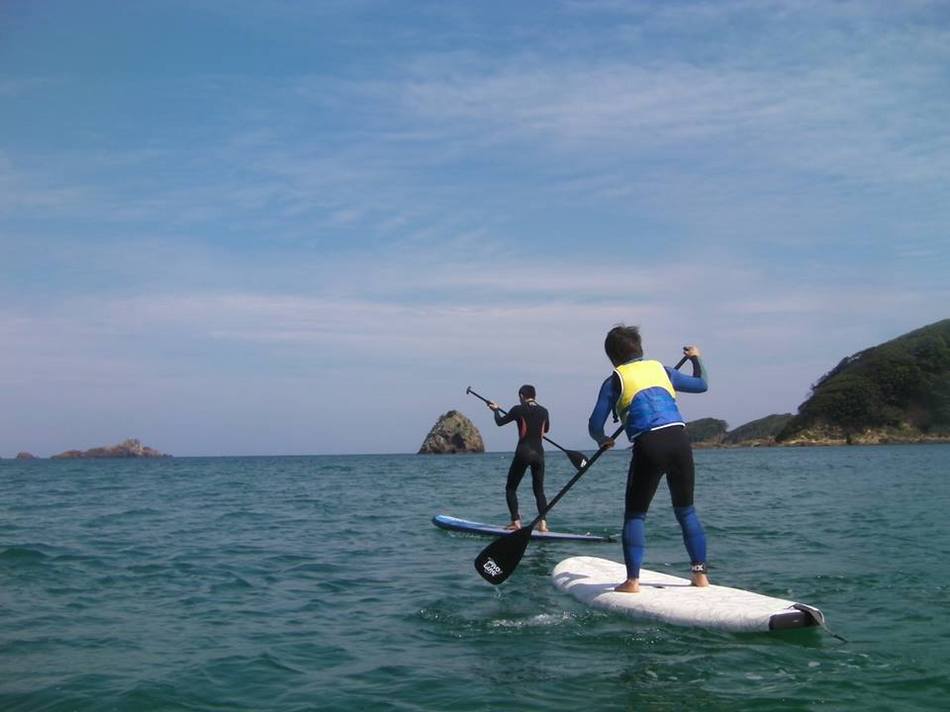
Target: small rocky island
[127,448]
[452,433]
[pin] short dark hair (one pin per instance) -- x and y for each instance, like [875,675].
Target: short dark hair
[623,344]
[526,391]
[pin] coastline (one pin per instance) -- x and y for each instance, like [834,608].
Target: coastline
[859,439]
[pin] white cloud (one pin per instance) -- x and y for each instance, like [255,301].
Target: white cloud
[842,120]
[197,352]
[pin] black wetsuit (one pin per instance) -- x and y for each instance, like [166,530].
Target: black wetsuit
[532,422]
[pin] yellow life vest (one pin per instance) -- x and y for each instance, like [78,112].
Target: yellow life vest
[637,376]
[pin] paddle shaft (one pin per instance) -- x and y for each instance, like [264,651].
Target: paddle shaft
[497,561]
[575,478]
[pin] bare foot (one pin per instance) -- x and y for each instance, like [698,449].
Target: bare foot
[516,524]
[700,580]
[543,526]
[629,586]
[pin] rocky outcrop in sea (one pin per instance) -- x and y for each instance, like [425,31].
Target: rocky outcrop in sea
[452,433]
[25,456]
[128,448]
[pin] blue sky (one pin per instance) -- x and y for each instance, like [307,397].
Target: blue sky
[303,228]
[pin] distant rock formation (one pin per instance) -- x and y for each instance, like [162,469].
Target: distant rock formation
[128,448]
[25,456]
[707,431]
[452,433]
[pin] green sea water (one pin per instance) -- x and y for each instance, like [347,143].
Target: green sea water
[319,583]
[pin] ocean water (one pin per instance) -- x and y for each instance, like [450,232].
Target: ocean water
[319,583]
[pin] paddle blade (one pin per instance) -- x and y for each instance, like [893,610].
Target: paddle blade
[498,560]
[577,459]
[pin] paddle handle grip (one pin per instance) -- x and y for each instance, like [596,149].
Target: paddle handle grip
[484,400]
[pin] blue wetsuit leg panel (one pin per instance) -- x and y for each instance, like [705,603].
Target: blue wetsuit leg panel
[694,536]
[634,543]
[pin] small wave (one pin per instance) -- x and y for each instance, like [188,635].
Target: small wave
[137,512]
[21,554]
[124,516]
[147,569]
[243,515]
[274,662]
[541,620]
[236,583]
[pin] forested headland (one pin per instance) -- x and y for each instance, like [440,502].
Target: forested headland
[898,391]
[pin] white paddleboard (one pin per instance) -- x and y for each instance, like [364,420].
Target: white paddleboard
[445,521]
[672,599]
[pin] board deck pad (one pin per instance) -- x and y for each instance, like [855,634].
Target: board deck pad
[672,599]
[464,525]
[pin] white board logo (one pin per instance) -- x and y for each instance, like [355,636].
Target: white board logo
[491,568]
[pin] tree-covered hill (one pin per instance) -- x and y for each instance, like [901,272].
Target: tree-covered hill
[708,431]
[898,389]
[712,432]
[763,429]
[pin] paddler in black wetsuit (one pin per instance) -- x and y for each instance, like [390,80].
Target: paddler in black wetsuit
[533,423]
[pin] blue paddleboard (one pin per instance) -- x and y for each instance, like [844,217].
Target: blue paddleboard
[464,525]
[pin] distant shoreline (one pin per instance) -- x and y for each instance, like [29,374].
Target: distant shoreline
[749,445]
[826,442]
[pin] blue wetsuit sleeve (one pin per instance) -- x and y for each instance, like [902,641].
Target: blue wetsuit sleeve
[697,383]
[605,403]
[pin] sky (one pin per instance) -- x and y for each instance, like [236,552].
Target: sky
[288,228]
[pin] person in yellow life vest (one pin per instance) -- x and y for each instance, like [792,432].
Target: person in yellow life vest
[642,394]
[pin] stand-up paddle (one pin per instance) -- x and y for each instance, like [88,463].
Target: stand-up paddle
[578,459]
[498,560]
